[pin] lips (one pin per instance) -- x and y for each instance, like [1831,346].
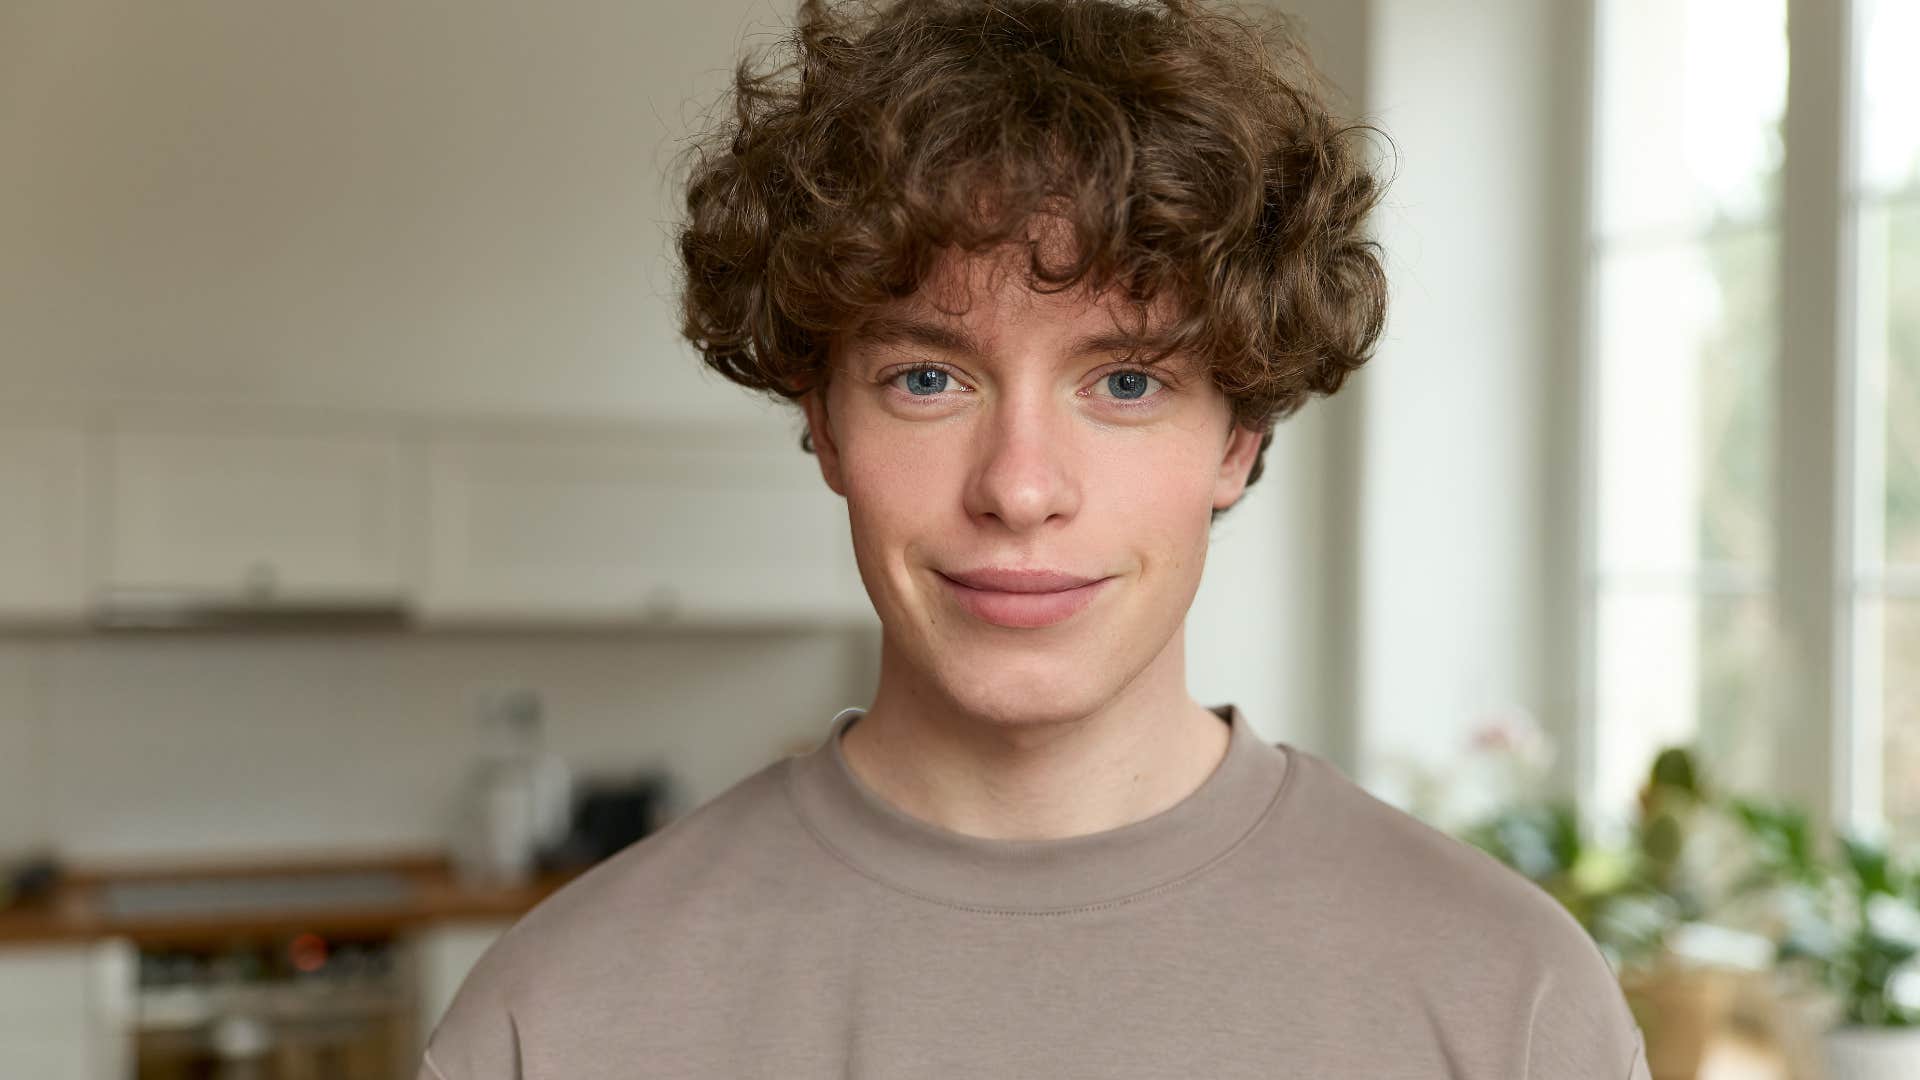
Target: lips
[1023,599]
[1010,580]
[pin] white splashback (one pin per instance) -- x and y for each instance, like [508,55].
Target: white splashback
[115,747]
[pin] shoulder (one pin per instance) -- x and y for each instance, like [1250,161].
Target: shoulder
[640,900]
[1435,906]
[670,869]
[1396,868]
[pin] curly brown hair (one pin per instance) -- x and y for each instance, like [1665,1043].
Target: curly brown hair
[1191,151]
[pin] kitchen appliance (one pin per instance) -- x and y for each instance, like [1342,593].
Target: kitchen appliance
[611,813]
[519,804]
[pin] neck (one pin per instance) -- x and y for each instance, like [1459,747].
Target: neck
[1025,778]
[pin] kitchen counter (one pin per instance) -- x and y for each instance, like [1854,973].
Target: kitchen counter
[98,902]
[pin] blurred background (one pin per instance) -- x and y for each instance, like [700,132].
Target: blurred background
[374,557]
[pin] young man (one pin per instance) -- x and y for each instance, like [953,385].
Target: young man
[1041,275]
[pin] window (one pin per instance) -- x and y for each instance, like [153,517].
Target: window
[1741,594]
[1884,206]
[1684,254]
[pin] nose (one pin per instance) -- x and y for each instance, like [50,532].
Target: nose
[1025,470]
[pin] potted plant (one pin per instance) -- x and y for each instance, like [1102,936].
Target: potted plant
[1677,913]
[1851,926]
[1719,913]
[1678,883]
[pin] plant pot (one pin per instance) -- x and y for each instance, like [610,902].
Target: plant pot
[1710,1021]
[1870,1053]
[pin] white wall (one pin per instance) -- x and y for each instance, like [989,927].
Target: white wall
[1468,569]
[123,746]
[1250,633]
[414,205]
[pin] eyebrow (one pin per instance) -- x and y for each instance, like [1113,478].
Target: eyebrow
[885,329]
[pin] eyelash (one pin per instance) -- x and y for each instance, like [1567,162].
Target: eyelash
[1124,405]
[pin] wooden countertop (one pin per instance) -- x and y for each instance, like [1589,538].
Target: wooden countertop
[74,911]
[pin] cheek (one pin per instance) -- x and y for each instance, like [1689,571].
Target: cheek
[899,482]
[1158,503]
[897,496]
[1166,485]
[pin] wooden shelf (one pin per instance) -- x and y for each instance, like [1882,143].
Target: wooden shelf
[74,912]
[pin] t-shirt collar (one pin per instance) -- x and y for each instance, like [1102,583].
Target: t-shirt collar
[1036,876]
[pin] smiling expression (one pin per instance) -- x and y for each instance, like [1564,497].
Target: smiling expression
[996,455]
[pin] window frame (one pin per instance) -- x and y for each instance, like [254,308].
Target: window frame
[1829,756]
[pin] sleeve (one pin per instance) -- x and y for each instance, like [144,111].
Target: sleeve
[471,1044]
[477,1039]
[1638,1070]
[1581,1027]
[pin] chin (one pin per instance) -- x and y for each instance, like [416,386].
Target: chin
[1020,699]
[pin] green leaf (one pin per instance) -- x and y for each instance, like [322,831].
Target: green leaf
[1867,858]
[1782,835]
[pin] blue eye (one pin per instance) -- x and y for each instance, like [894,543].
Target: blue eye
[1129,386]
[930,380]
[1134,381]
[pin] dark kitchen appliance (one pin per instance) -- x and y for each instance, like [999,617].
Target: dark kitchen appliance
[611,813]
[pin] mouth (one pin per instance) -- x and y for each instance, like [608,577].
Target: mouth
[1028,608]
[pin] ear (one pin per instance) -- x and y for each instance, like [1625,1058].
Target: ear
[1243,446]
[814,404]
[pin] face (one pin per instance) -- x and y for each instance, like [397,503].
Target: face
[1012,438]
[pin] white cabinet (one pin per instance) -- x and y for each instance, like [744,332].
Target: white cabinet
[43,522]
[144,513]
[282,512]
[708,526]
[66,1010]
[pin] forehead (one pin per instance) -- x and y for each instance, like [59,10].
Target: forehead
[977,303]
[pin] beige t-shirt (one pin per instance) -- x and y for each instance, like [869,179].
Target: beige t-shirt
[1277,922]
